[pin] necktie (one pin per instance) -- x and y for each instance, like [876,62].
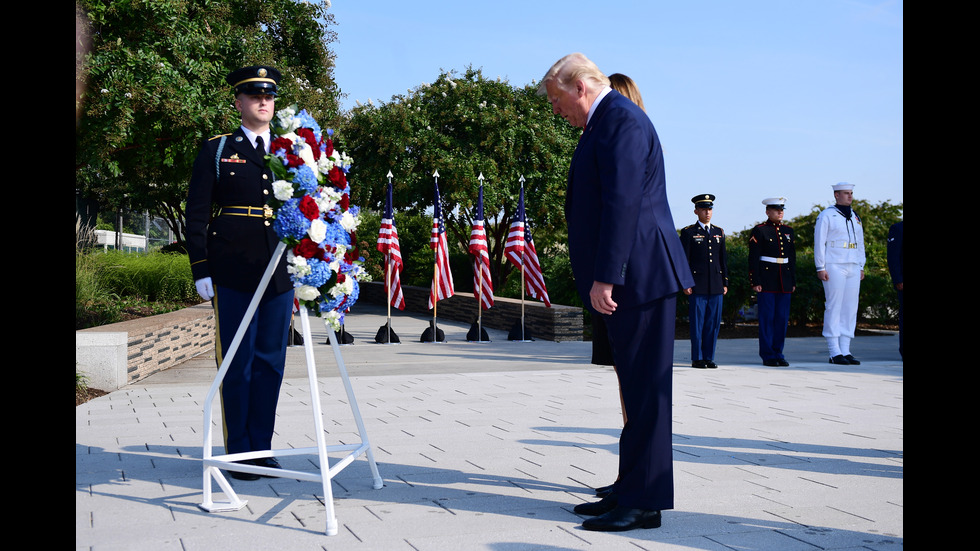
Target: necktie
[259,146]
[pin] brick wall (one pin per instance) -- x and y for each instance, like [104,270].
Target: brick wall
[159,342]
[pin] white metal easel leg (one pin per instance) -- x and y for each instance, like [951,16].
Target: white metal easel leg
[213,464]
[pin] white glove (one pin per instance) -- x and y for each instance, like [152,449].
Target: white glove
[204,288]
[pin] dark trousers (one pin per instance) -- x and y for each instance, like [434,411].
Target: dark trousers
[642,340]
[901,321]
[704,315]
[250,389]
[773,319]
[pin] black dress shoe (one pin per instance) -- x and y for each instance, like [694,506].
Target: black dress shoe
[268,462]
[621,519]
[839,360]
[852,360]
[604,491]
[711,364]
[600,507]
[238,475]
[700,364]
[770,363]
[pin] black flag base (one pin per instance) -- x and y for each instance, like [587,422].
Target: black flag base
[519,333]
[440,335]
[343,337]
[295,339]
[386,335]
[477,333]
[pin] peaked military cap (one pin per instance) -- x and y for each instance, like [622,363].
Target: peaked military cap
[703,201]
[774,202]
[254,80]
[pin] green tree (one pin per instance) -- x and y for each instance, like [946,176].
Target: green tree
[464,125]
[154,89]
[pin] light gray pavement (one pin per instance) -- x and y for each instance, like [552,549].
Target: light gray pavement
[488,446]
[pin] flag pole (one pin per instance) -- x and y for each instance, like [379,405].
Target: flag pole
[388,278]
[478,266]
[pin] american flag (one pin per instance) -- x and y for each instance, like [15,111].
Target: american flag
[520,252]
[443,277]
[388,245]
[478,247]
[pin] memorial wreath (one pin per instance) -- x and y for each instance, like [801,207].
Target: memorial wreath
[313,215]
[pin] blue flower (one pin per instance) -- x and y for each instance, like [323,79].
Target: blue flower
[290,222]
[320,273]
[305,179]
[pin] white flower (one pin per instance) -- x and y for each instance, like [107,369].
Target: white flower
[317,231]
[297,265]
[348,221]
[327,199]
[345,288]
[307,292]
[282,189]
[332,319]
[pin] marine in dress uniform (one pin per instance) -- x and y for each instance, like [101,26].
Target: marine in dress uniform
[704,246]
[838,253]
[772,275]
[230,252]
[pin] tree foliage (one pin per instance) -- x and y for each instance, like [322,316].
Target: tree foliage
[464,125]
[153,82]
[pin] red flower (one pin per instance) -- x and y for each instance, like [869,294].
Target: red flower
[308,249]
[280,143]
[293,161]
[344,202]
[309,207]
[337,178]
[328,151]
[310,139]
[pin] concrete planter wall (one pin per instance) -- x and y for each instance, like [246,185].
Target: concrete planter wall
[119,354]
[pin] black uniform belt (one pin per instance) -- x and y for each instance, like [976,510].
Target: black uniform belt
[251,212]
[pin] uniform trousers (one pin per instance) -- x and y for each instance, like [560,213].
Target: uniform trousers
[704,314]
[642,339]
[250,388]
[773,319]
[841,292]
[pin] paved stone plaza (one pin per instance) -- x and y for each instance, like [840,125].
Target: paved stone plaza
[489,446]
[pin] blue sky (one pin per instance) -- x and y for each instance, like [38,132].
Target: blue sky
[751,98]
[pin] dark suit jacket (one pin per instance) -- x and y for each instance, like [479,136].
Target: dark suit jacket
[233,250]
[895,260]
[707,257]
[620,229]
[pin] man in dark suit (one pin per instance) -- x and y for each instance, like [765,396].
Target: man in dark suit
[230,253]
[704,246]
[895,268]
[628,265]
[772,275]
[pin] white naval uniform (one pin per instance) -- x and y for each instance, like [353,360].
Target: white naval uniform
[838,248]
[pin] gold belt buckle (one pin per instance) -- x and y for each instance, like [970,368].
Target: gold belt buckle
[266,211]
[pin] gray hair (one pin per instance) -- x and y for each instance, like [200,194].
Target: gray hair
[571,68]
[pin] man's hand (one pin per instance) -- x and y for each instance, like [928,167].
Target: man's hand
[822,275]
[601,297]
[204,288]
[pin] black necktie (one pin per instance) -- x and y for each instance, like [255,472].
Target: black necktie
[259,146]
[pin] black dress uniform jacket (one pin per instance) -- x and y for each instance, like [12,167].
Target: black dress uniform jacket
[774,241]
[232,249]
[708,258]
